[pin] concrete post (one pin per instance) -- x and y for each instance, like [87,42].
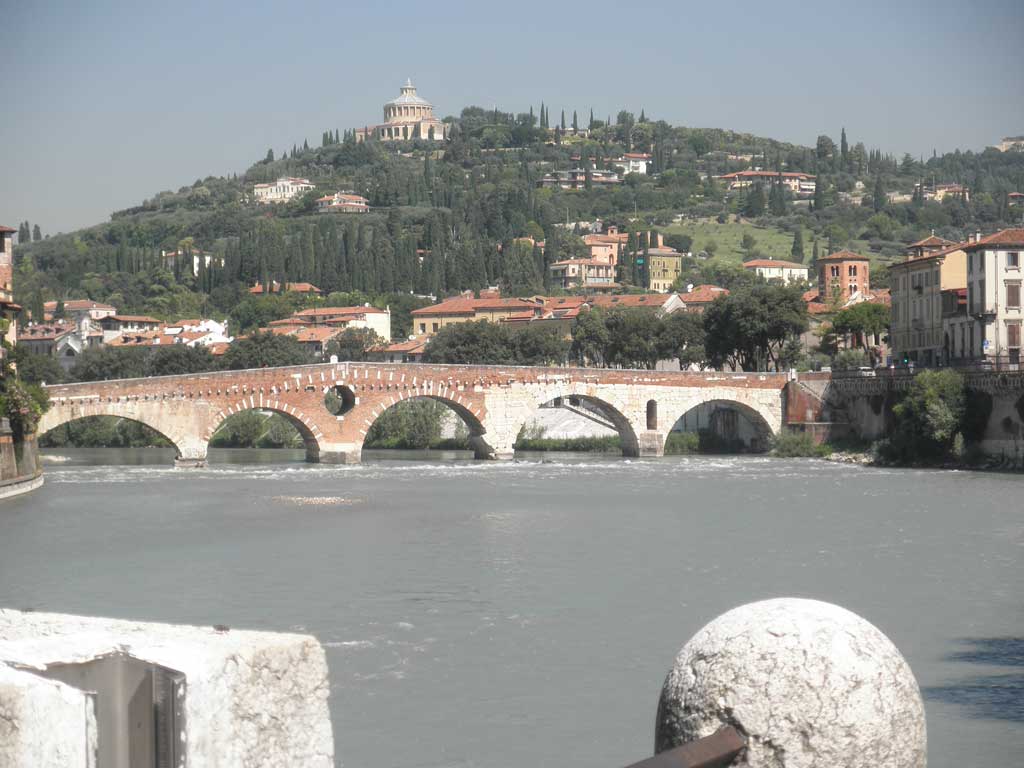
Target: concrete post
[808,683]
[651,442]
[339,453]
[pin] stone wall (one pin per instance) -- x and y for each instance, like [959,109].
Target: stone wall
[247,698]
[20,470]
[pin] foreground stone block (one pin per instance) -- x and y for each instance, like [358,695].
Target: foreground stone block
[808,683]
[81,691]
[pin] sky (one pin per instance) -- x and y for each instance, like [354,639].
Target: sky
[109,102]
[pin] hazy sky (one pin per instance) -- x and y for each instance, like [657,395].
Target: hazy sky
[108,102]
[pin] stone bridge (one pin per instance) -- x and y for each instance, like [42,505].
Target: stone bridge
[495,402]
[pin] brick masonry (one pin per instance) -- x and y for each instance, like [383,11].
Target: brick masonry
[494,401]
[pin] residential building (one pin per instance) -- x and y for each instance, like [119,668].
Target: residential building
[577,178]
[1015,199]
[8,309]
[594,274]
[118,325]
[664,265]
[63,340]
[191,260]
[275,287]
[464,309]
[938,192]
[698,298]
[841,275]
[777,269]
[410,116]
[994,279]
[632,162]
[343,202]
[607,246]
[799,184]
[408,351]
[314,338]
[282,190]
[377,320]
[76,309]
[916,329]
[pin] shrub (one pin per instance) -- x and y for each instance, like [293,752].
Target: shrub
[798,444]
[681,443]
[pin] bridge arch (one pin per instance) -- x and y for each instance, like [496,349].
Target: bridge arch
[56,418]
[752,425]
[469,413]
[590,405]
[307,428]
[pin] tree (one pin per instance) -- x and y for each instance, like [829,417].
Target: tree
[356,344]
[796,253]
[37,234]
[777,199]
[24,233]
[37,369]
[265,350]
[540,345]
[590,338]
[878,198]
[682,337]
[928,418]
[824,149]
[844,152]
[863,320]
[820,185]
[747,244]
[480,342]
[177,360]
[754,205]
[634,338]
[575,123]
[102,363]
[749,328]
[270,156]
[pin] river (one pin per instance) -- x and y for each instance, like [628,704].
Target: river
[505,615]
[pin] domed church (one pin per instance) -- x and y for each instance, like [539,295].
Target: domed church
[408,117]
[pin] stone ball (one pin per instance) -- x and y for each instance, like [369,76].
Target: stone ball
[808,683]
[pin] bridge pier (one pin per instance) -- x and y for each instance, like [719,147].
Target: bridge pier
[340,453]
[190,462]
[651,443]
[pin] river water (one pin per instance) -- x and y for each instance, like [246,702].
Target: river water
[506,615]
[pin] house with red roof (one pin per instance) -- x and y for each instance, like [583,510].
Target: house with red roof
[994,282]
[343,202]
[777,269]
[799,184]
[307,289]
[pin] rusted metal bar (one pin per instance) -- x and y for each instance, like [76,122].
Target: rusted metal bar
[715,751]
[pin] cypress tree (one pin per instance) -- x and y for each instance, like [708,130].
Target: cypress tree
[878,197]
[797,251]
[563,121]
[37,233]
[575,123]
[590,126]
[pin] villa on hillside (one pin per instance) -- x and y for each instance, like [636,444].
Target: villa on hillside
[343,202]
[275,287]
[800,184]
[282,190]
[632,162]
[777,269]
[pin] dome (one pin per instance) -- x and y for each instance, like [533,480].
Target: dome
[408,97]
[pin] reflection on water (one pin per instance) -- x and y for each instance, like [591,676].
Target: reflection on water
[534,604]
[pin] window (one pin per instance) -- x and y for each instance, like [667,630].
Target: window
[423,327]
[1013,335]
[1013,296]
[434,327]
[852,271]
[835,271]
[1013,259]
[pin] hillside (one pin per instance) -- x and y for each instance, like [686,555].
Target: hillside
[443,219]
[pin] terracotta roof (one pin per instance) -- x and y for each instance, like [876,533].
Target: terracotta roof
[462,306]
[1004,237]
[703,294]
[7,229]
[134,319]
[218,348]
[632,300]
[938,254]
[47,332]
[637,155]
[772,263]
[412,345]
[844,255]
[72,305]
[591,262]
[930,241]
[338,311]
[288,287]
[763,174]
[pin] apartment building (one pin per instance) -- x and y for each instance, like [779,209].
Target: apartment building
[931,271]
[994,277]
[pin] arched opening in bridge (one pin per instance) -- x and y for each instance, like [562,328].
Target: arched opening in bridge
[579,423]
[652,414]
[425,422]
[106,432]
[267,429]
[339,399]
[719,426]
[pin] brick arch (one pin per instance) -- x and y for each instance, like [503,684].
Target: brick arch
[59,416]
[307,428]
[470,413]
[613,408]
[758,416]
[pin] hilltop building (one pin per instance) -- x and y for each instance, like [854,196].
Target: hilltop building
[1011,144]
[777,269]
[408,117]
[76,309]
[282,190]
[800,184]
[343,202]
[632,162]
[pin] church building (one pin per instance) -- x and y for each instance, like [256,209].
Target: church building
[406,118]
